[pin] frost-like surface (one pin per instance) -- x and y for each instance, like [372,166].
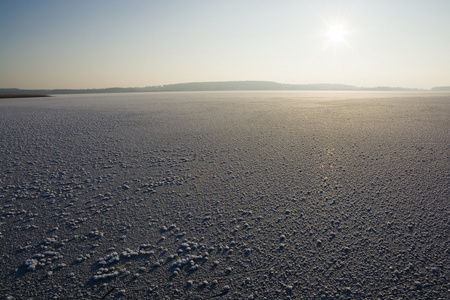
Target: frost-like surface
[259,195]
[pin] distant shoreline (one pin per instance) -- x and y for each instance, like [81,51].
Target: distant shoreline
[214,86]
[23,96]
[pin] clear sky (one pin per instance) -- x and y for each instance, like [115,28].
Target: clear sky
[49,44]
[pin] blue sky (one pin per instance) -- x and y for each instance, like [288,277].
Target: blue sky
[96,44]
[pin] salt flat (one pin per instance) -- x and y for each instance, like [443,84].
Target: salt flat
[227,195]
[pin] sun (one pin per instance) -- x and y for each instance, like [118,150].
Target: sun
[336,33]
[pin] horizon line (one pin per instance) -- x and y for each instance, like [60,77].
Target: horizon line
[288,86]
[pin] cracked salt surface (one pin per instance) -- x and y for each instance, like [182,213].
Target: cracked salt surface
[225,195]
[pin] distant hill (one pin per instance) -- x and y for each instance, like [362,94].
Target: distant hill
[214,86]
[441,88]
[252,86]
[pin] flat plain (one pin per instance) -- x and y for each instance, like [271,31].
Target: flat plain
[226,195]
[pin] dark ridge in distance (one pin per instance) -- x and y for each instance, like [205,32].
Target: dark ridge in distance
[218,86]
[441,88]
[3,96]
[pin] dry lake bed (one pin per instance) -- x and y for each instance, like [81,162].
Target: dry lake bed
[226,195]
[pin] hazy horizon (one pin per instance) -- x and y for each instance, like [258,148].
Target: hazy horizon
[103,44]
[243,85]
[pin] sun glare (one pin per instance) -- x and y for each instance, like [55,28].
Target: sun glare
[336,33]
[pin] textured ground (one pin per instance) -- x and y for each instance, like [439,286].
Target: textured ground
[225,195]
